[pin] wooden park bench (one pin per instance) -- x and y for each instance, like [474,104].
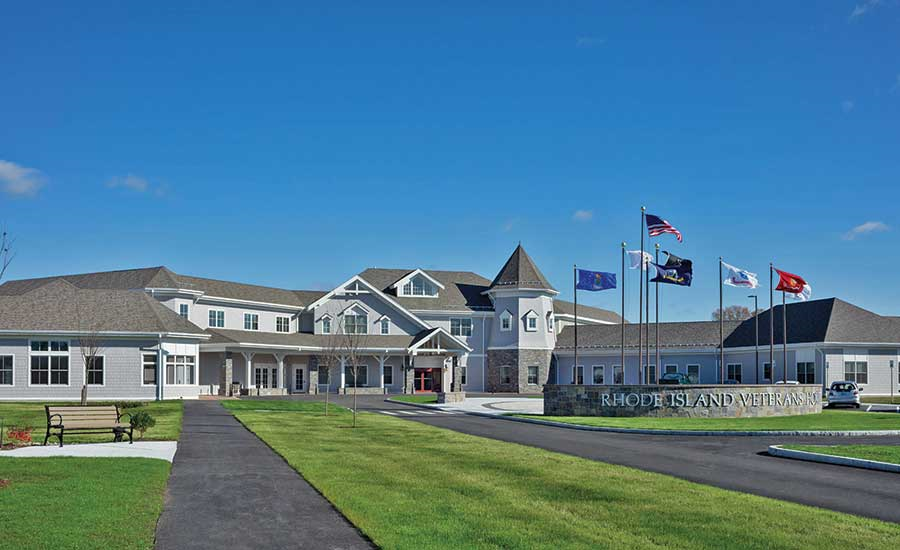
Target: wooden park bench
[63,420]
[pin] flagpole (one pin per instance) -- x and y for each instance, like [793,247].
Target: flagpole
[771,327]
[721,325]
[756,323]
[647,309]
[640,307]
[784,337]
[575,292]
[656,302]
[623,317]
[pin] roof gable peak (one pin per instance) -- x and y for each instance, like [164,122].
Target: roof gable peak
[519,273]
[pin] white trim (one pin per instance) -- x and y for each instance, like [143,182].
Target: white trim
[155,354]
[531,314]
[51,334]
[252,303]
[13,373]
[216,311]
[84,366]
[387,366]
[603,369]
[375,292]
[280,317]
[508,316]
[443,331]
[398,284]
[581,319]
[246,313]
[512,291]
[353,304]
[195,369]
[48,354]
[456,312]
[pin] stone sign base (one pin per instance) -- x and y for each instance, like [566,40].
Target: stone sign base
[451,397]
[707,401]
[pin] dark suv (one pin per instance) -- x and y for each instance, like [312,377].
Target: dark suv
[675,378]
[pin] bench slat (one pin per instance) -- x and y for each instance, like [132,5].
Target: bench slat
[88,408]
[83,424]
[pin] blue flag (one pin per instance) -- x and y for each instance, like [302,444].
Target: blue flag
[595,280]
[681,276]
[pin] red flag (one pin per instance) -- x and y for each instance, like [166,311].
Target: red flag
[789,282]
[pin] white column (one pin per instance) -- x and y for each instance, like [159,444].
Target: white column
[343,362]
[281,381]
[381,361]
[248,368]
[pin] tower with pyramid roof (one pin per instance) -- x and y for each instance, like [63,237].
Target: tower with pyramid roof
[522,334]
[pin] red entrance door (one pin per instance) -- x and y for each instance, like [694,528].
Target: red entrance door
[426,380]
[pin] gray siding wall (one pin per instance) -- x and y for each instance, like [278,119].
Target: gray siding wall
[376,307]
[122,372]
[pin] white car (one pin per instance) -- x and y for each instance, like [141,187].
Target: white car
[844,392]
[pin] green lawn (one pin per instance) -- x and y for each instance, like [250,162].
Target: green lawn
[881,453]
[410,485]
[826,420]
[415,398]
[80,502]
[167,414]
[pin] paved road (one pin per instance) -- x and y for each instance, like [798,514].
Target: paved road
[229,490]
[737,463]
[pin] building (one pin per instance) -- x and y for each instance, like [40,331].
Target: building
[164,335]
[828,340]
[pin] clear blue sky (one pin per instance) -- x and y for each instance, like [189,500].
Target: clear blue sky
[296,145]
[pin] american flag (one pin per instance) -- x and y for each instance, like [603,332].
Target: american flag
[656,226]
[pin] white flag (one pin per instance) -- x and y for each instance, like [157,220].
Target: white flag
[803,295]
[740,277]
[634,256]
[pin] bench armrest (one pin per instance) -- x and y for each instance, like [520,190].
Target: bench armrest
[124,415]
[50,420]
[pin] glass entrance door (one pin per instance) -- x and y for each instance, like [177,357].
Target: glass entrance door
[427,380]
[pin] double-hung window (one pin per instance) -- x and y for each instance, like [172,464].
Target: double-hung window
[326,325]
[217,318]
[505,321]
[184,310]
[150,369]
[282,324]
[251,321]
[533,376]
[598,374]
[693,372]
[180,369]
[734,372]
[356,324]
[767,372]
[506,375]
[461,327]
[856,371]
[95,370]
[618,374]
[388,375]
[49,363]
[385,326]
[806,372]
[356,378]
[531,323]
[579,375]
[6,370]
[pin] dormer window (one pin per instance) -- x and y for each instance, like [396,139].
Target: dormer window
[418,284]
[385,325]
[506,321]
[326,325]
[531,320]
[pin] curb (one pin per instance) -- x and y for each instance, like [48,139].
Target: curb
[779,451]
[644,431]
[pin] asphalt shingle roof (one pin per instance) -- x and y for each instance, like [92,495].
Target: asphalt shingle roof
[685,334]
[305,339]
[520,271]
[59,305]
[462,289]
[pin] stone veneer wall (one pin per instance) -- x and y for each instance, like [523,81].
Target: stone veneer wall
[519,360]
[711,401]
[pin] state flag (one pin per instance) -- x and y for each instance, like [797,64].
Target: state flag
[595,280]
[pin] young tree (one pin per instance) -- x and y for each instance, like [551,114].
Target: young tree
[732,313]
[6,252]
[90,346]
[330,357]
[354,339]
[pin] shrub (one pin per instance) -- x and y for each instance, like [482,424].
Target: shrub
[142,421]
[122,405]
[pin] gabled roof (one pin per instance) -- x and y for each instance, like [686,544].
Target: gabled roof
[59,305]
[402,280]
[162,277]
[520,272]
[828,320]
[462,289]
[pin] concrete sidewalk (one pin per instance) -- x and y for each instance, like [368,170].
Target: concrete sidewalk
[163,450]
[229,490]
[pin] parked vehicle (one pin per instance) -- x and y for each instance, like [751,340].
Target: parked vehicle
[843,392]
[788,382]
[675,378]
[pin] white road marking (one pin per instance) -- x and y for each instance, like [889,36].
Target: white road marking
[869,409]
[425,412]
[389,412]
[405,412]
